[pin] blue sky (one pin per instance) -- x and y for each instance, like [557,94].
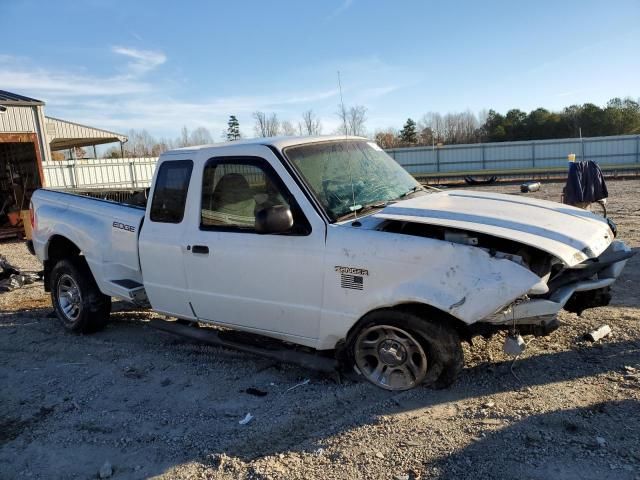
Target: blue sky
[161,64]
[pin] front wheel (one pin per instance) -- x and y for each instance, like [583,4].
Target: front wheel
[398,350]
[76,299]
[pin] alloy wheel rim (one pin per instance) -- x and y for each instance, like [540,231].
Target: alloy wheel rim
[69,297]
[390,357]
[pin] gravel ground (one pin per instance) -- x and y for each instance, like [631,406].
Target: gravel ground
[133,402]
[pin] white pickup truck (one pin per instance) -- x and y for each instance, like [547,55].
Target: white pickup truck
[326,242]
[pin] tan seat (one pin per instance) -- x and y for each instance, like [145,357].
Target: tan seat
[233,196]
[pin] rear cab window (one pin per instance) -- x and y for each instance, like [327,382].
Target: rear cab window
[170,194]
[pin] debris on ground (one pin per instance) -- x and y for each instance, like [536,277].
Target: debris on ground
[514,345]
[106,470]
[306,382]
[530,187]
[11,277]
[247,418]
[256,392]
[469,180]
[598,333]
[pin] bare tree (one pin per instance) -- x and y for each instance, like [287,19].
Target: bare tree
[161,146]
[287,128]
[470,126]
[387,138]
[140,143]
[79,153]
[450,127]
[200,136]
[353,120]
[431,126]
[310,124]
[461,127]
[183,141]
[266,125]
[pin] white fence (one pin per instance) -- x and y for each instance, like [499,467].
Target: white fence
[102,173]
[622,151]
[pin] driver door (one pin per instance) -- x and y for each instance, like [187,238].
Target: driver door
[270,283]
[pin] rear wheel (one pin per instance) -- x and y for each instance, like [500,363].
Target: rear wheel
[398,350]
[76,299]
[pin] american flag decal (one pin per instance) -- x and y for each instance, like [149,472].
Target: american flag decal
[354,282]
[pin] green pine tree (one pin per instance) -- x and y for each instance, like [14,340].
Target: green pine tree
[233,129]
[408,133]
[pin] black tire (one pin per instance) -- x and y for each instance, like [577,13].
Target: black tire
[440,342]
[76,299]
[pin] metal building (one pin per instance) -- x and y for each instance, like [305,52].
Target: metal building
[27,139]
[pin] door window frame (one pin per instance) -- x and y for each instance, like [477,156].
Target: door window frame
[301,225]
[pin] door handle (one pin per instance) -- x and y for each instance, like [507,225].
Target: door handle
[200,249]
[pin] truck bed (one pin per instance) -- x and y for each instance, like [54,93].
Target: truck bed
[106,232]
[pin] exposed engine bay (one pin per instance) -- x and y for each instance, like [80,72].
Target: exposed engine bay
[556,277]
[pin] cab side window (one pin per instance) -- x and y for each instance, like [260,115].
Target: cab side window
[235,190]
[170,194]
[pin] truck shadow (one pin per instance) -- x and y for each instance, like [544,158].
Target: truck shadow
[475,382]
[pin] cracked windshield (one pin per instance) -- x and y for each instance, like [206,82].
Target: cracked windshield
[351,177]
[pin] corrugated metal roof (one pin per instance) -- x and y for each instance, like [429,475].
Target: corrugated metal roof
[8,98]
[64,134]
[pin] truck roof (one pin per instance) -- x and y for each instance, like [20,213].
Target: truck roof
[278,142]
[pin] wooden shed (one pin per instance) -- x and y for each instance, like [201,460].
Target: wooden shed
[27,138]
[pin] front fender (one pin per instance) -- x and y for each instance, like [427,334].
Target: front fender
[463,281]
[471,287]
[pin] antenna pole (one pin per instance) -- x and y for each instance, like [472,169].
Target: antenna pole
[344,122]
[344,112]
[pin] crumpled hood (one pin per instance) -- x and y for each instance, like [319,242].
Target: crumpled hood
[569,233]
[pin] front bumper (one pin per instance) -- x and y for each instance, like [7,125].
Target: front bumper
[539,311]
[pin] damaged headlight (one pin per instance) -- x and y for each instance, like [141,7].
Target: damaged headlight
[613,227]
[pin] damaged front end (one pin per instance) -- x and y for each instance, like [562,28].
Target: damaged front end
[573,286]
[577,288]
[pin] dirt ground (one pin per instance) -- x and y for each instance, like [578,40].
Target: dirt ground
[151,404]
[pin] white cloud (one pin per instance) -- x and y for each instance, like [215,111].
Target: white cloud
[20,74]
[161,114]
[142,61]
[375,92]
[128,99]
[50,83]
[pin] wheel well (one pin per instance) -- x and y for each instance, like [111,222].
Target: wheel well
[422,310]
[59,247]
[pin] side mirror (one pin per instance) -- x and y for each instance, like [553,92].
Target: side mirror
[276,219]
